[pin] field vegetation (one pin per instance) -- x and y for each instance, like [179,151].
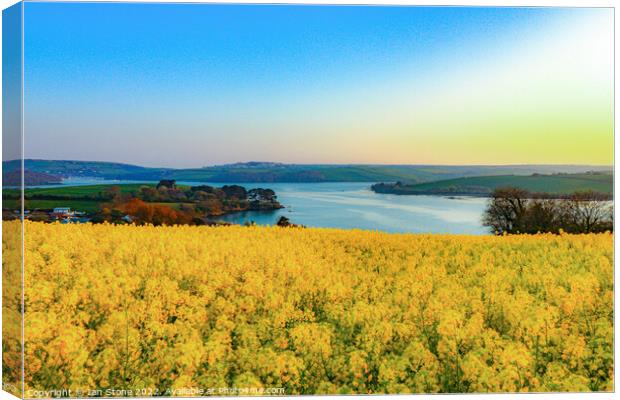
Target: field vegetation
[514,210]
[311,310]
[553,184]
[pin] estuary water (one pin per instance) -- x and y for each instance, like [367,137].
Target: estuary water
[351,205]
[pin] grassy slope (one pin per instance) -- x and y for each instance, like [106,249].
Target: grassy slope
[79,205]
[78,168]
[78,191]
[555,184]
[341,173]
[336,173]
[287,172]
[68,196]
[74,197]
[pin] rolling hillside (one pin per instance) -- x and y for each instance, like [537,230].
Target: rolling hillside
[559,184]
[266,172]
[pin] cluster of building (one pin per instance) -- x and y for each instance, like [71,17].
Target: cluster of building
[62,214]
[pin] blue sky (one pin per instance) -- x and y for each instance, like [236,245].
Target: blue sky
[191,85]
[11,83]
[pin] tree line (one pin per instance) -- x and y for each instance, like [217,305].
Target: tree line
[512,210]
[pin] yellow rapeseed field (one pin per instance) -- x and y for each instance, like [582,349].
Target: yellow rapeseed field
[158,309]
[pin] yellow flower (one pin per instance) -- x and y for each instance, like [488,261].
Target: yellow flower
[309,310]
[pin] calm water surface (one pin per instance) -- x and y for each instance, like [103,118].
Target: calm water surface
[353,205]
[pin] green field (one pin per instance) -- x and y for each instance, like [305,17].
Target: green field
[76,192]
[78,205]
[72,191]
[79,198]
[481,185]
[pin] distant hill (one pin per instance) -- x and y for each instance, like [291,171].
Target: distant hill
[558,184]
[93,169]
[266,172]
[31,178]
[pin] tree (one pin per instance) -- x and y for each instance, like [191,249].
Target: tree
[235,191]
[211,205]
[113,192]
[154,214]
[259,194]
[283,221]
[202,188]
[513,210]
[542,215]
[588,211]
[148,193]
[506,210]
[167,183]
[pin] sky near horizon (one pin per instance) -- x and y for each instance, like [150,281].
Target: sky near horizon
[188,85]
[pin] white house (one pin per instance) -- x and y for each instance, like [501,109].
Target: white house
[62,211]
